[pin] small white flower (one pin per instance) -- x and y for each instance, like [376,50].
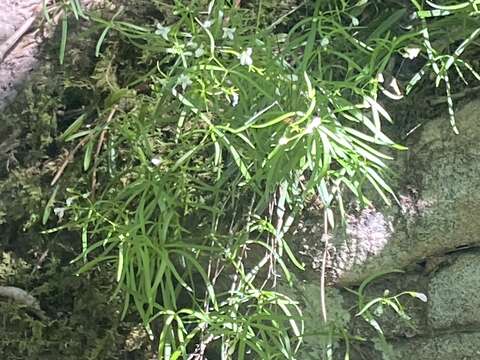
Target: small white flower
[228,33]
[199,52]
[163,31]
[246,57]
[283,141]
[60,212]
[235,99]
[411,52]
[324,42]
[378,311]
[69,201]
[207,24]
[184,81]
[355,21]
[156,161]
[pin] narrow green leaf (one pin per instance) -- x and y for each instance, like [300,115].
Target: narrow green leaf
[120,263]
[73,128]
[100,41]
[63,41]
[88,155]
[48,208]
[275,120]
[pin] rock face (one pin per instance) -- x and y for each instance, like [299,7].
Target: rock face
[452,319]
[13,13]
[446,326]
[439,207]
[433,234]
[20,43]
[454,300]
[18,53]
[457,346]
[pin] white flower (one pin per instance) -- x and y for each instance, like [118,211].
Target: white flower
[283,141]
[184,81]
[324,42]
[235,99]
[199,52]
[246,57]
[355,21]
[163,31]
[156,161]
[228,33]
[60,212]
[411,52]
[207,24]
[69,201]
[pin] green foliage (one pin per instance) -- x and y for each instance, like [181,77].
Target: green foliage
[203,145]
[321,341]
[374,309]
[461,16]
[63,10]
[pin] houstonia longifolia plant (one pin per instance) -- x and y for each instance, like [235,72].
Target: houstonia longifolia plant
[208,138]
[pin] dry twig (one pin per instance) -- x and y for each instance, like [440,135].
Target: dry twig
[17,35]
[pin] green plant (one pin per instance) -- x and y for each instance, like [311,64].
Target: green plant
[53,12]
[201,150]
[464,17]
[373,309]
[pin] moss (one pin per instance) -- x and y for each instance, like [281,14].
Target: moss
[80,318]
[83,322]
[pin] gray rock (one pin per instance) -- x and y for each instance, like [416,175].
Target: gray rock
[453,293]
[433,233]
[446,327]
[439,211]
[459,346]
[17,55]
[13,13]
[20,45]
